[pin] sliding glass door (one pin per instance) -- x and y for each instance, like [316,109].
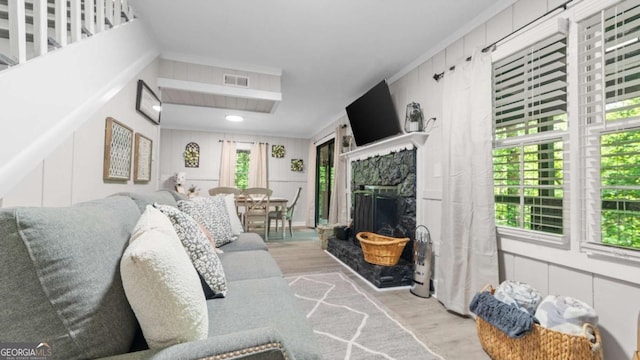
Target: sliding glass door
[324,180]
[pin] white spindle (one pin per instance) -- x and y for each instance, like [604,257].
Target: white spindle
[110,11]
[61,22]
[100,15]
[17,31]
[89,21]
[40,27]
[75,20]
[117,12]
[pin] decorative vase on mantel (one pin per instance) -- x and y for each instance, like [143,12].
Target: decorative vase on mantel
[346,143]
[414,119]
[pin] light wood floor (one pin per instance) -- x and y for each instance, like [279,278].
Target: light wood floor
[452,336]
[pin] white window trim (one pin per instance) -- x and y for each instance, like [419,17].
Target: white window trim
[533,236]
[610,252]
[586,244]
[540,32]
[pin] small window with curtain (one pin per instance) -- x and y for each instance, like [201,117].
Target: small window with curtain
[609,75]
[243,155]
[530,128]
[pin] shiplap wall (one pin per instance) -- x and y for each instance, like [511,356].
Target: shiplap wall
[607,284]
[282,180]
[73,172]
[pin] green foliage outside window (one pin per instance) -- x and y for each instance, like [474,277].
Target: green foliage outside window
[528,183]
[620,179]
[242,169]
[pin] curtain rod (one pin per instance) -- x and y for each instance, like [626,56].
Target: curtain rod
[493,45]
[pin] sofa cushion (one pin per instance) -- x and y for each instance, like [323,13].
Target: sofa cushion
[211,212]
[162,285]
[255,264]
[268,302]
[142,200]
[200,251]
[60,277]
[246,241]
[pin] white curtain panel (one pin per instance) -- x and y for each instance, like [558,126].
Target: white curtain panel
[311,187]
[228,164]
[468,257]
[338,201]
[258,168]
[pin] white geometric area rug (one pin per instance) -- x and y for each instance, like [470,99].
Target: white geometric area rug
[350,325]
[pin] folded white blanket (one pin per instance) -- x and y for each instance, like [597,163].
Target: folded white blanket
[520,294]
[566,314]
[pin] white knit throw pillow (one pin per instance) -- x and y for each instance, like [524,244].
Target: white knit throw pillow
[162,285]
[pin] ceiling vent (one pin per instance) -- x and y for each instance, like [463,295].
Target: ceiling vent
[236,80]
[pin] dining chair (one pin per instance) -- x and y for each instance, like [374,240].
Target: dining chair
[284,214]
[224,190]
[256,209]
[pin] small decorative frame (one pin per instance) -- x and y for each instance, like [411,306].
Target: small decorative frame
[118,141]
[147,103]
[277,151]
[142,159]
[192,155]
[297,165]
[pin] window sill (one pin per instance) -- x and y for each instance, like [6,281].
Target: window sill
[611,252]
[535,237]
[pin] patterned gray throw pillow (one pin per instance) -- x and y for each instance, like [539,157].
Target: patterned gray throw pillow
[200,251]
[212,213]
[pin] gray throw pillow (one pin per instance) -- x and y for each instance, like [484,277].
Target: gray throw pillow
[200,251]
[212,213]
[60,277]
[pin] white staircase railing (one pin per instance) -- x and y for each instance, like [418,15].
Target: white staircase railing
[35,27]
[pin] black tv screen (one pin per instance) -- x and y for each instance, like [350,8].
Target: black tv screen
[373,116]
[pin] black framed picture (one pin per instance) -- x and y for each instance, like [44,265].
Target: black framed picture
[147,103]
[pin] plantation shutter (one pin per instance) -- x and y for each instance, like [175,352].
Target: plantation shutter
[530,121]
[610,63]
[530,89]
[609,74]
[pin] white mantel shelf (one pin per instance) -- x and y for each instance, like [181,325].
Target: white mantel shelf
[388,145]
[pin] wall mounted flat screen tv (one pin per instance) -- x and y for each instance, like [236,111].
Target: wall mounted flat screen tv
[373,116]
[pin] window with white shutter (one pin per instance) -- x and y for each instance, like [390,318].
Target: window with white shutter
[530,128]
[609,75]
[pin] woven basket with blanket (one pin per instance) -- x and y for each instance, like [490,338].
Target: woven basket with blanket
[538,343]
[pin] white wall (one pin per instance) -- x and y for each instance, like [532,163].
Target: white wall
[612,286]
[73,172]
[46,99]
[282,180]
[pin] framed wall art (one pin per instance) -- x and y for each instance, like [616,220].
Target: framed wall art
[142,159]
[297,165]
[118,142]
[277,151]
[191,155]
[147,103]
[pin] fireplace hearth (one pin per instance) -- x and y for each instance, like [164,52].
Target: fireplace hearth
[383,190]
[378,275]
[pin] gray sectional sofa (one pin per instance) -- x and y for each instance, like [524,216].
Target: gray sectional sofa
[60,284]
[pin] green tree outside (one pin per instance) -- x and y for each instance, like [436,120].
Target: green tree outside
[242,169]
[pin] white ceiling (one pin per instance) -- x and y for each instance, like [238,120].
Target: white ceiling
[329,51]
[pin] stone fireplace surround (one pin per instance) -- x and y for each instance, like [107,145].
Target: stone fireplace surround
[390,163]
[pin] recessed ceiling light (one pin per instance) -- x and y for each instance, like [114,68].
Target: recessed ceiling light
[157,108]
[234,118]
